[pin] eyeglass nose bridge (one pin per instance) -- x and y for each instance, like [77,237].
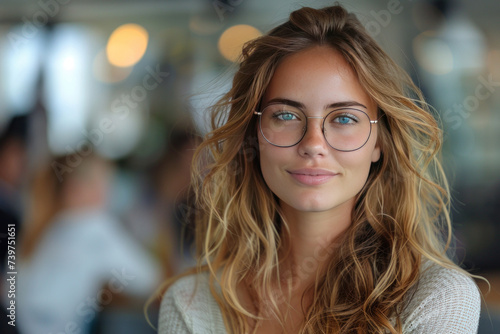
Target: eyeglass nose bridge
[323,118]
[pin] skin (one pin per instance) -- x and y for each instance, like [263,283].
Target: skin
[316,214]
[88,187]
[13,157]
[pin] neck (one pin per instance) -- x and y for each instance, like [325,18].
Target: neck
[312,240]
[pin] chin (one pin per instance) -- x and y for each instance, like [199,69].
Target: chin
[309,205]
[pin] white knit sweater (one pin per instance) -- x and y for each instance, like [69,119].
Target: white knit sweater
[445,302]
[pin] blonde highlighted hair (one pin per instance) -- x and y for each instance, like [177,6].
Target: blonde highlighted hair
[399,218]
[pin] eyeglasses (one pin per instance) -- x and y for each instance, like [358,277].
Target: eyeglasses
[345,129]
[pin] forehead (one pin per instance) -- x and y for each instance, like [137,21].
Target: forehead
[317,77]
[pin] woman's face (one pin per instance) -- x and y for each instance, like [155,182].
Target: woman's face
[312,176]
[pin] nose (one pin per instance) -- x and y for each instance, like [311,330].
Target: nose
[314,142]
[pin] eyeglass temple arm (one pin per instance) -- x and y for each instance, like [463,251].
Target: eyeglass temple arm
[378,119]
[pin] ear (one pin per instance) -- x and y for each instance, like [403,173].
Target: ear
[376,152]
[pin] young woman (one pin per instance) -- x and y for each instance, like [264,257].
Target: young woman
[321,203]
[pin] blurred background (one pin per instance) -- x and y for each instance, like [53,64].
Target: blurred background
[103,101]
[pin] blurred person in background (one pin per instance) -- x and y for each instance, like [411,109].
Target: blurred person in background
[13,140]
[76,256]
[12,168]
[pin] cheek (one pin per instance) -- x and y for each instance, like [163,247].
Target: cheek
[357,163]
[272,161]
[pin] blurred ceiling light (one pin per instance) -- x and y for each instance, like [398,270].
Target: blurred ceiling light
[20,68]
[67,87]
[105,72]
[432,53]
[126,45]
[231,41]
[68,63]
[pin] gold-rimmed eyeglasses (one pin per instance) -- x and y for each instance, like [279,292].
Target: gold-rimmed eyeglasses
[345,129]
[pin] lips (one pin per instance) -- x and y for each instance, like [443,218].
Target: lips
[312,176]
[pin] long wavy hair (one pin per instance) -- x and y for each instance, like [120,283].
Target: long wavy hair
[400,217]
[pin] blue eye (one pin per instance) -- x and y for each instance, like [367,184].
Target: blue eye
[285,116]
[345,119]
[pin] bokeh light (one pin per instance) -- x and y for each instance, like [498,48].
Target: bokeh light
[126,45]
[231,41]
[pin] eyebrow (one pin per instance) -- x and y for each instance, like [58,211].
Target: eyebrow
[300,105]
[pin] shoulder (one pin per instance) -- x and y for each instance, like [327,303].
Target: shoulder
[190,292]
[189,307]
[82,225]
[444,301]
[437,279]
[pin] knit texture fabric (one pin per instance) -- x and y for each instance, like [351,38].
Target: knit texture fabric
[445,301]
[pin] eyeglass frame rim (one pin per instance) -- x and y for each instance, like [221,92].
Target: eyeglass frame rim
[259,113]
